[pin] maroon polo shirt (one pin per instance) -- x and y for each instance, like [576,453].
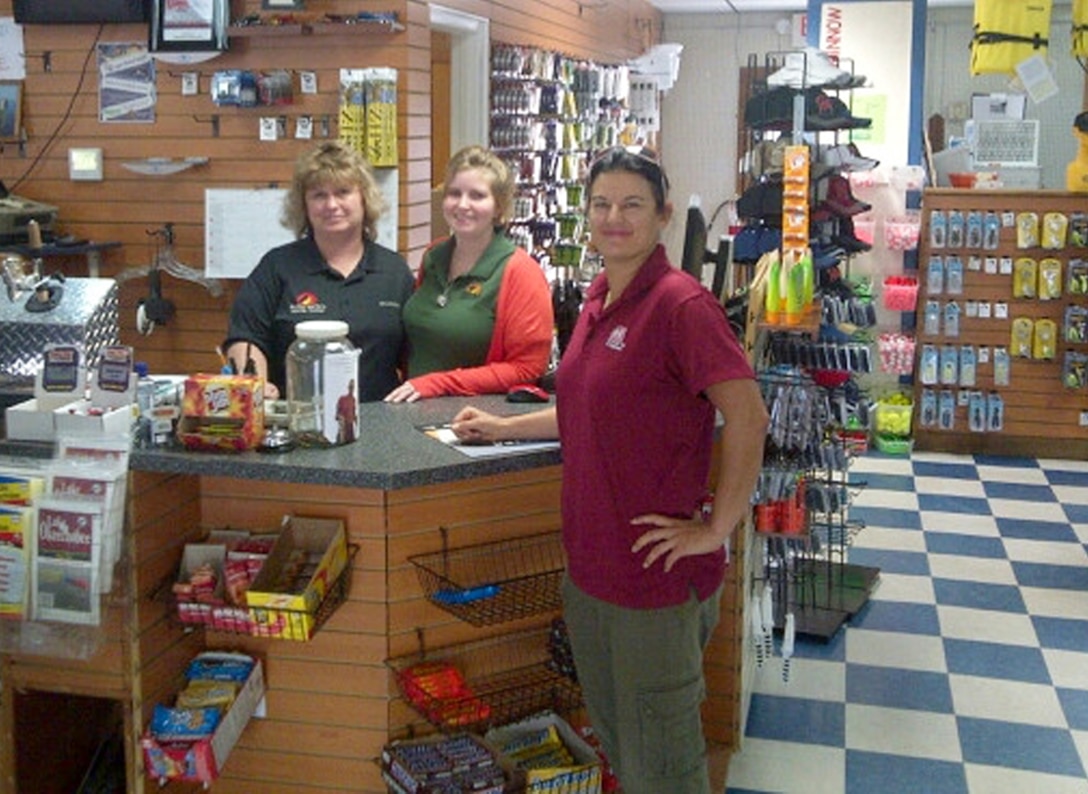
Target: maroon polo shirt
[637,432]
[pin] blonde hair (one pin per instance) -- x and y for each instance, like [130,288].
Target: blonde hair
[336,164]
[494,167]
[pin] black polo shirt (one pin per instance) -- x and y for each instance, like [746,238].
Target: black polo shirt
[292,284]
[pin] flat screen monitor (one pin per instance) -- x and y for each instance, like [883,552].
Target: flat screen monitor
[77,12]
[694,243]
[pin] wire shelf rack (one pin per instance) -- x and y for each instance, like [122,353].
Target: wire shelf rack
[481,684]
[492,583]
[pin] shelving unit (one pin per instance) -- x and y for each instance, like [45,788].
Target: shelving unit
[1041,414]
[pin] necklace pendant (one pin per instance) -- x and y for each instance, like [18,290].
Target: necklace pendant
[442,300]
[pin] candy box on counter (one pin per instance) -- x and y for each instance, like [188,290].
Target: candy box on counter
[306,561]
[222,412]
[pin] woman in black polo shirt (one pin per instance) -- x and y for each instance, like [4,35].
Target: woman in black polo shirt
[335,270]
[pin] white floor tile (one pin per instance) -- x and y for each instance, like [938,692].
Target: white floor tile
[1055,603]
[1060,464]
[890,539]
[959,523]
[971,569]
[1071,494]
[1006,701]
[961,623]
[942,457]
[995,779]
[949,486]
[895,649]
[894,500]
[814,679]
[788,768]
[1081,531]
[1031,511]
[865,464]
[1048,552]
[905,588]
[1021,475]
[1068,669]
[917,734]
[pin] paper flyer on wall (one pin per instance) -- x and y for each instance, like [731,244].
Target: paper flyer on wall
[67,550]
[16,528]
[98,484]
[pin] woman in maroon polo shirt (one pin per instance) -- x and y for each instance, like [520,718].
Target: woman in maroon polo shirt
[650,362]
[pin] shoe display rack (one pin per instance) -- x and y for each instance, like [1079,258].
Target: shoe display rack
[1001,364]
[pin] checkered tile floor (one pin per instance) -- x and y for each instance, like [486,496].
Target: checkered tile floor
[967,670]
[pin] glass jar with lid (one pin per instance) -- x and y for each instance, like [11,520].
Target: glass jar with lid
[322,389]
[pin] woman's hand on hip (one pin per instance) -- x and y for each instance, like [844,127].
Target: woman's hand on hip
[674,538]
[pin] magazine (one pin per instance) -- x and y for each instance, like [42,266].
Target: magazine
[67,554]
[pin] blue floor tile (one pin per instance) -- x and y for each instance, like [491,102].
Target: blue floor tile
[905,562]
[979,595]
[873,773]
[831,650]
[882,482]
[1075,705]
[1077,514]
[1024,492]
[993,660]
[797,720]
[896,688]
[1063,634]
[1008,462]
[949,503]
[887,517]
[965,545]
[898,616]
[1029,529]
[1062,477]
[958,471]
[1058,577]
[1018,746]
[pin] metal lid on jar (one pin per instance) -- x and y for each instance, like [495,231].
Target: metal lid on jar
[321,330]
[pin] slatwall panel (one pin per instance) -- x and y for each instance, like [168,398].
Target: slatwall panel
[1042,418]
[60,111]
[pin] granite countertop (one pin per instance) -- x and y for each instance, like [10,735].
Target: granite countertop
[390,453]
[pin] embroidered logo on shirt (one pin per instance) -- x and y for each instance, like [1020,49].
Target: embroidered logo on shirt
[307,303]
[474,289]
[616,339]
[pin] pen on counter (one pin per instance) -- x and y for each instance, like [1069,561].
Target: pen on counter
[226,367]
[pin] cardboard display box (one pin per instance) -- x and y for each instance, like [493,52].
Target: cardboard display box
[202,760]
[222,412]
[583,777]
[309,555]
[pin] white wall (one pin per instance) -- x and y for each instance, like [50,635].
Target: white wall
[699,114]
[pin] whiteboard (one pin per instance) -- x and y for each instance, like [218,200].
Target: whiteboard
[242,224]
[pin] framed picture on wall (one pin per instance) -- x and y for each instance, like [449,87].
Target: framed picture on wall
[11,110]
[189,25]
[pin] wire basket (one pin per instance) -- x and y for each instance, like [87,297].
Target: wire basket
[497,582]
[272,623]
[498,681]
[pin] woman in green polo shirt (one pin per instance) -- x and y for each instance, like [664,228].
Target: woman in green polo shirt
[481,319]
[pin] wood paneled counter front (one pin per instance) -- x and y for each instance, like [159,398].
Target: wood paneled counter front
[332,702]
